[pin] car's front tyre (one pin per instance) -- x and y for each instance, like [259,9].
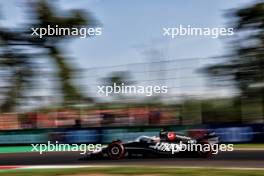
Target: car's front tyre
[116,150]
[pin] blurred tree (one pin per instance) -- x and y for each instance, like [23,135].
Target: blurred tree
[16,62]
[16,67]
[46,15]
[118,78]
[245,66]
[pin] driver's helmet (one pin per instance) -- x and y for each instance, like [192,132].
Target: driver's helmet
[167,136]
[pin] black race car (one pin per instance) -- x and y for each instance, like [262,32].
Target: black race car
[168,144]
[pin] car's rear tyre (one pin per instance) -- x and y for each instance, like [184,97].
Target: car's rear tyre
[207,150]
[116,150]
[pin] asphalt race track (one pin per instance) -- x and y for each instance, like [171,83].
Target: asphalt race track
[243,159]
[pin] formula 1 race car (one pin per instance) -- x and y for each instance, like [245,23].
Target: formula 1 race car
[168,144]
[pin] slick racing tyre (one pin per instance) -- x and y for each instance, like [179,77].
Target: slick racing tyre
[116,150]
[206,151]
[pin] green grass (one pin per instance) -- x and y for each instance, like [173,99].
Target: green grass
[19,149]
[15,149]
[133,171]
